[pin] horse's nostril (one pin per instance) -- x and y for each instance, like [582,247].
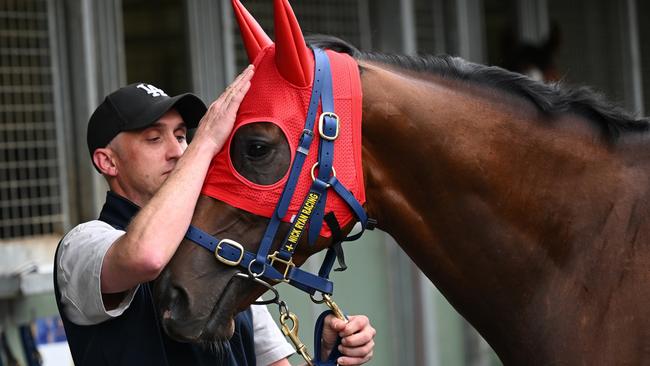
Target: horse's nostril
[178,299]
[172,299]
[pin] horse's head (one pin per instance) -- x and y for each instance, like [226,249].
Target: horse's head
[197,295]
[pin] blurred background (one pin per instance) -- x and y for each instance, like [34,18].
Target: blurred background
[59,58]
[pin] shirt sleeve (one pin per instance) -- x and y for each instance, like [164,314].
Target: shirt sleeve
[270,344]
[79,267]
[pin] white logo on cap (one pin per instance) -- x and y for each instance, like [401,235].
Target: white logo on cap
[152,90]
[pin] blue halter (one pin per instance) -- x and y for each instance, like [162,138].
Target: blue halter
[311,213]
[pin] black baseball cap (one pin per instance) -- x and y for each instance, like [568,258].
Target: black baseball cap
[135,107]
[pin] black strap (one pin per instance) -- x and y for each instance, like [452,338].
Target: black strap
[11,359]
[337,240]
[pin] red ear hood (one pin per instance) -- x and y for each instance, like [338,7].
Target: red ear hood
[280,93]
[294,60]
[272,98]
[253,36]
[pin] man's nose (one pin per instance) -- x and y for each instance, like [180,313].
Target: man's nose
[174,149]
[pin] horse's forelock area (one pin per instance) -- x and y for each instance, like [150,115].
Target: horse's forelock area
[551,99]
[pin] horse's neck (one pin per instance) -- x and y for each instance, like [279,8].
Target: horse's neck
[497,208]
[449,170]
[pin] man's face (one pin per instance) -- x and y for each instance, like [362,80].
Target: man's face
[145,158]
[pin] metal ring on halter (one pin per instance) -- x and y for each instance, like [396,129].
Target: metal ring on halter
[276,295]
[321,301]
[250,270]
[313,176]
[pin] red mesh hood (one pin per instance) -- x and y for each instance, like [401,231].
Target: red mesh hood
[273,99]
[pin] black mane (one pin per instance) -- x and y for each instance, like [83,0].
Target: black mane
[550,99]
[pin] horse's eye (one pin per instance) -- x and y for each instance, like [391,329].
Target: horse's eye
[257,150]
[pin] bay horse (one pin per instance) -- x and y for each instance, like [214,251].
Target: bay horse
[526,204]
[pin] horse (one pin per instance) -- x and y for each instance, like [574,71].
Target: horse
[526,204]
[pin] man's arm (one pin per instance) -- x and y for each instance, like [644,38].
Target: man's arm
[156,231]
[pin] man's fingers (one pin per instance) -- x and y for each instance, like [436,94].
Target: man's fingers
[358,339]
[238,89]
[239,77]
[237,98]
[234,87]
[335,323]
[355,324]
[242,79]
[218,121]
[358,351]
[345,360]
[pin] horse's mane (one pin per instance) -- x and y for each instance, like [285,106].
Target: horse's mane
[550,99]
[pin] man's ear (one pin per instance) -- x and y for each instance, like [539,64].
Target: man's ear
[104,159]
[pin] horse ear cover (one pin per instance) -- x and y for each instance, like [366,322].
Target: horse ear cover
[294,60]
[280,92]
[253,36]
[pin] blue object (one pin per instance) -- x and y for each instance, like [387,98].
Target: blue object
[32,356]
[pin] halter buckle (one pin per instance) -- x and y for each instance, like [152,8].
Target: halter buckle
[320,125]
[288,263]
[226,260]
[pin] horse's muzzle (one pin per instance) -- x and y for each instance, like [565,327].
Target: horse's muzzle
[177,320]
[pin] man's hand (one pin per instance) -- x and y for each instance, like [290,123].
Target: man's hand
[218,121]
[357,342]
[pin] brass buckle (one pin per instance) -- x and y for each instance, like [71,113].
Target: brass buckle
[228,261]
[320,125]
[288,264]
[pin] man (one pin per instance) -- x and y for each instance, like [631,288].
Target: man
[137,141]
